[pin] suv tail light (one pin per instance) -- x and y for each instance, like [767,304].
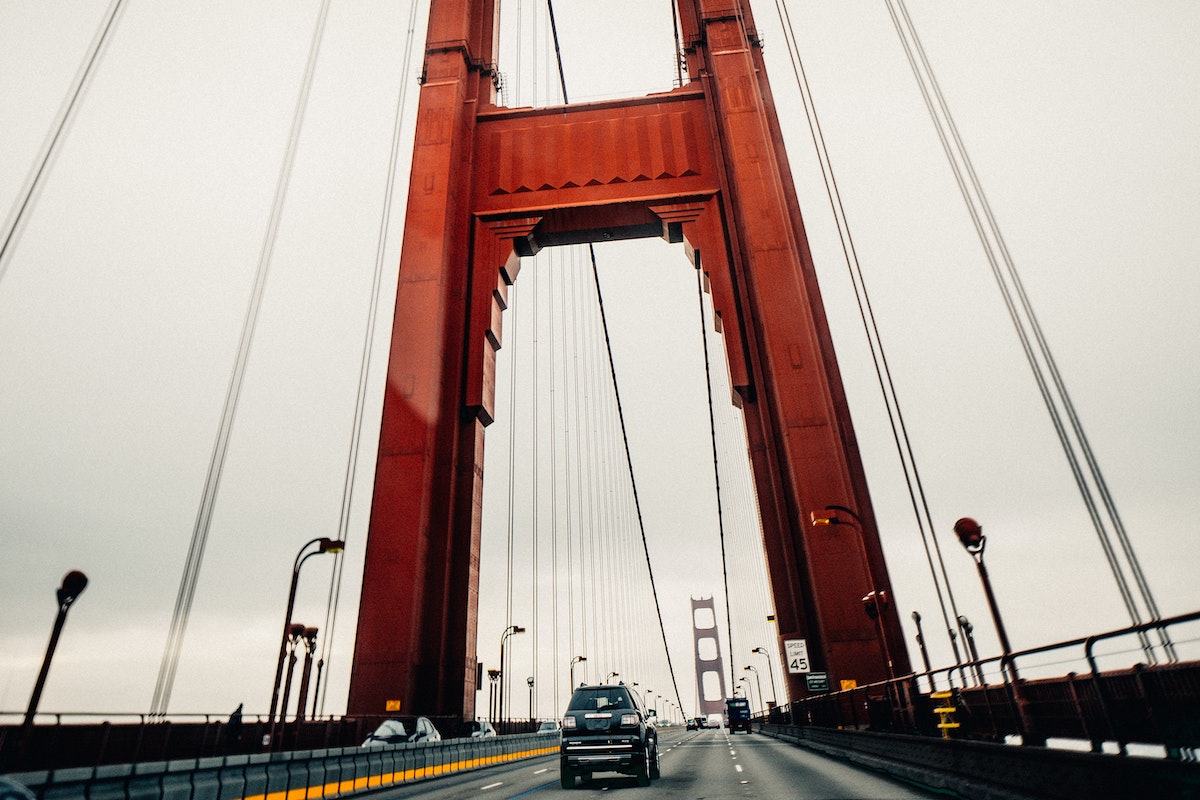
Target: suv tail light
[568,723]
[629,720]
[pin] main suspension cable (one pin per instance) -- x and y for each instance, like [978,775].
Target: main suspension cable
[977,205]
[195,556]
[887,388]
[41,166]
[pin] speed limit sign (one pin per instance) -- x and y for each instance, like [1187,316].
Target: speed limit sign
[796,651]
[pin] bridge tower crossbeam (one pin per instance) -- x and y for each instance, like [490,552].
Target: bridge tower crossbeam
[703,165]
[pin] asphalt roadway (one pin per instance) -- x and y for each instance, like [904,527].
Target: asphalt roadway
[708,764]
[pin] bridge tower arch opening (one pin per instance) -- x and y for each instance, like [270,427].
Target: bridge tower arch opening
[702,165]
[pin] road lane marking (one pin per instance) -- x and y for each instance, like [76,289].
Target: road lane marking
[738,767]
[491,786]
[540,771]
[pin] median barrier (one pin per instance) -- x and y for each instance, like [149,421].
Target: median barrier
[311,774]
[110,782]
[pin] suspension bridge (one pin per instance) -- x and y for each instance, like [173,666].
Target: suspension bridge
[202,360]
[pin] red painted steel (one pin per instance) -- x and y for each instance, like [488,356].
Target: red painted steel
[704,628]
[703,165]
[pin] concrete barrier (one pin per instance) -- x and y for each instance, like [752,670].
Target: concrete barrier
[311,774]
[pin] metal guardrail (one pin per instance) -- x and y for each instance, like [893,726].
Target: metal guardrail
[989,771]
[311,774]
[1156,704]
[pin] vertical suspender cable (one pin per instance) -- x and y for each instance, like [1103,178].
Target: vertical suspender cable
[195,556]
[620,414]
[17,216]
[712,428]
[977,206]
[510,555]
[912,475]
[678,43]
[554,570]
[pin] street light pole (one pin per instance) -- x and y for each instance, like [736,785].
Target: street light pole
[574,661]
[762,704]
[916,616]
[746,690]
[309,638]
[295,634]
[970,534]
[770,672]
[73,584]
[324,545]
[829,516]
[969,634]
[509,631]
[493,678]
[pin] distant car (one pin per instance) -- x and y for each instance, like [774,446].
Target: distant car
[548,727]
[694,724]
[394,731]
[476,729]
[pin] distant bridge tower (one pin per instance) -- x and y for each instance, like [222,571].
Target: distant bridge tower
[704,166]
[710,666]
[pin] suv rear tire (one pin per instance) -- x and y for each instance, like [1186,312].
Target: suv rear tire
[643,773]
[655,772]
[566,777]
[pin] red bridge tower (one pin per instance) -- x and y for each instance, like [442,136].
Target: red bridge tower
[704,166]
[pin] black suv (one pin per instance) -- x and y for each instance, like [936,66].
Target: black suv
[608,729]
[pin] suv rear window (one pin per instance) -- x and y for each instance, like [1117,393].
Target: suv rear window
[599,699]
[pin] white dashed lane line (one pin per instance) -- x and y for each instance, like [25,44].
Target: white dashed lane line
[491,786]
[540,771]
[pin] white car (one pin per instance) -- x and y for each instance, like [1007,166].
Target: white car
[549,727]
[393,731]
[479,729]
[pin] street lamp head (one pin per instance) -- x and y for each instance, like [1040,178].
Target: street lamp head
[331,546]
[73,584]
[835,515]
[916,616]
[529,681]
[310,636]
[970,533]
[762,650]
[965,623]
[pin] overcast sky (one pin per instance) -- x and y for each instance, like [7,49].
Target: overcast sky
[122,305]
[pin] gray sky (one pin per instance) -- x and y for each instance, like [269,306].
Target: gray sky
[121,309]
